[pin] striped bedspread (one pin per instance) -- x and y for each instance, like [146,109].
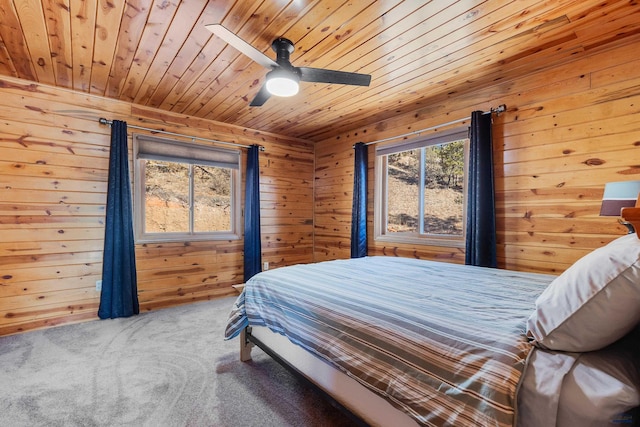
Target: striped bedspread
[443,342]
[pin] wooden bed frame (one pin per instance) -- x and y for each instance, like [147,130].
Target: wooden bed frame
[361,405]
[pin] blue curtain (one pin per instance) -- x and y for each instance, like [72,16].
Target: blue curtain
[359,208]
[252,245]
[481,222]
[119,296]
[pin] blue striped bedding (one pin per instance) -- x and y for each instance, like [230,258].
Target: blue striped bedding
[443,342]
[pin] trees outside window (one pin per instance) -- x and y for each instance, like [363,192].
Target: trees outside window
[185,192]
[420,191]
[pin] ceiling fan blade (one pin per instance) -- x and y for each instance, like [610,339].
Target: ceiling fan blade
[320,75]
[241,45]
[261,97]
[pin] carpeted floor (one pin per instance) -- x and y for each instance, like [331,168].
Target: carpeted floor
[170,367]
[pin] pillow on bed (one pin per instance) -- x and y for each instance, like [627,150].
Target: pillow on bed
[593,303]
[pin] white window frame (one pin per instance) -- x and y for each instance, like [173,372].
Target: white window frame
[147,147]
[381,191]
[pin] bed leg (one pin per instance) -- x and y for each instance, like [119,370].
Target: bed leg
[245,346]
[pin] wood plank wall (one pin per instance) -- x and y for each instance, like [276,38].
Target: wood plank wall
[570,128]
[53,172]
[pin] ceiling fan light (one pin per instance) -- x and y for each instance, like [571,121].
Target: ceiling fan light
[282,84]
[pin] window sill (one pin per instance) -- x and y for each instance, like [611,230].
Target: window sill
[426,241]
[168,238]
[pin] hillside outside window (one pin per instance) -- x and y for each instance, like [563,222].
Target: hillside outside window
[420,190]
[185,192]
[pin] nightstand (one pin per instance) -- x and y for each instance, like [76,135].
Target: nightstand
[238,288]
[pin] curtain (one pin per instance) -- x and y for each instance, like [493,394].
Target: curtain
[481,223]
[359,208]
[252,245]
[119,296]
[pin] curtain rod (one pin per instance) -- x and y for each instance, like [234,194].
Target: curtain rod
[499,109]
[104,121]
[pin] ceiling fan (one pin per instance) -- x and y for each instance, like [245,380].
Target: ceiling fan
[284,78]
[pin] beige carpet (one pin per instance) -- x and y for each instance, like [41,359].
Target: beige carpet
[170,367]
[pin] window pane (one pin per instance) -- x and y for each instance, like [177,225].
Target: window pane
[212,199]
[166,197]
[444,188]
[402,191]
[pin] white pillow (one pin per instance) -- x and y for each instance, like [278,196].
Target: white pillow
[593,303]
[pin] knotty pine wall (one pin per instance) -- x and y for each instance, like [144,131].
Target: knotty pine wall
[53,173]
[570,128]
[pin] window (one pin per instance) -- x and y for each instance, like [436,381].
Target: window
[420,190]
[185,191]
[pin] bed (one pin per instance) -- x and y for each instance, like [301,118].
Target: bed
[407,342]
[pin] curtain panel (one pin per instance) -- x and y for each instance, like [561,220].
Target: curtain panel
[119,295]
[359,208]
[481,222]
[252,244]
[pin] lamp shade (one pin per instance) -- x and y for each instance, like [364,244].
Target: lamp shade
[618,195]
[282,83]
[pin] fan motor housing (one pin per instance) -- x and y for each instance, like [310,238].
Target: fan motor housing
[283,49]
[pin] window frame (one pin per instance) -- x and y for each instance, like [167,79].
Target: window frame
[191,155]
[381,191]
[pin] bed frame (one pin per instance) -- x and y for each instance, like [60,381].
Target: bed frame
[358,402]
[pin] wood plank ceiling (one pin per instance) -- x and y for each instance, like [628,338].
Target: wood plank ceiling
[159,53]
